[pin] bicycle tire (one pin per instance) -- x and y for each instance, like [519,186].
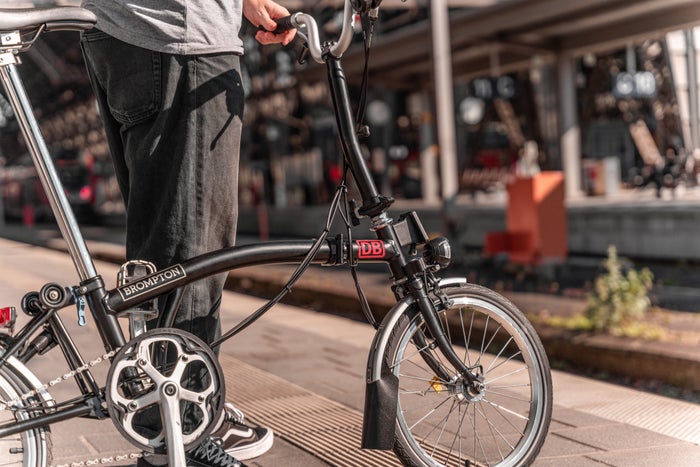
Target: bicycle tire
[441,422]
[31,448]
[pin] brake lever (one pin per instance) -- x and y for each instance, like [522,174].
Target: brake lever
[303,53]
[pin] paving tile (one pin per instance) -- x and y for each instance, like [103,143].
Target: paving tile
[680,455]
[82,439]
[617,436]
[575,418]
[558,446]
[568,461]
[555,426]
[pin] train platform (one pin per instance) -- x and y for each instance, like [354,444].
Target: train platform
[301,373]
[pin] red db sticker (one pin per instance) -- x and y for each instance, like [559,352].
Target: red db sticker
[370,249]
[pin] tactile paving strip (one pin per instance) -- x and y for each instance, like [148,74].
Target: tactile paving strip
[669,417]
[320,426]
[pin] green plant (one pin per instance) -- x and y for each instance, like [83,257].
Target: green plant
[618,300]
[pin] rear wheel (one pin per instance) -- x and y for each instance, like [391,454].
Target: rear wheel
[31,448]
[447,421]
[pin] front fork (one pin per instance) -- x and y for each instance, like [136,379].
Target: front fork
[437,330]
[382,389]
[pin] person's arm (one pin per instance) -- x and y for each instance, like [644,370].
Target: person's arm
[263,13]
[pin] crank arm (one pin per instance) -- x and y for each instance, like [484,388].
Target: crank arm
[172,422]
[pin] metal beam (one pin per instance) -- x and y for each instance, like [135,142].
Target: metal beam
[591,18]
[444,99]
[635,29]
[522,16]
[519,29]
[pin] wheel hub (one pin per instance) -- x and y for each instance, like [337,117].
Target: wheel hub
[467,392]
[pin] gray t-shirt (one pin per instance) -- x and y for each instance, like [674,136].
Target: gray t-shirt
[183,27]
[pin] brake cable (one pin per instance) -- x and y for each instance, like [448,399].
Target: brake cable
[353,263]
[339,204]
[367,19]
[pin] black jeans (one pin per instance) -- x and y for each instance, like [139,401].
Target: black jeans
[173,124]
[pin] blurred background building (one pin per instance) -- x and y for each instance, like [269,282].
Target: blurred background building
[604,90]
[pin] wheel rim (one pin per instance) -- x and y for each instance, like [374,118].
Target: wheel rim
[449,423]
[26,444]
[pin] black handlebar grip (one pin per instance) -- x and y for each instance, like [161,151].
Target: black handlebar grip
[283,24]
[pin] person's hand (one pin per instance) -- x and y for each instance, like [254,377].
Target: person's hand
[262,13]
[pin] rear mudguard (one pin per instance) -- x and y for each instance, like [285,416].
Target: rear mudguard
[29,378]
[381,392]
[31,381]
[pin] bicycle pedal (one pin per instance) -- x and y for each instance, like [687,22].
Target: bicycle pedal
[138,315]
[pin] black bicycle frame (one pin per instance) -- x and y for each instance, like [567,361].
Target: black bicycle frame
[394,245]
[375,206]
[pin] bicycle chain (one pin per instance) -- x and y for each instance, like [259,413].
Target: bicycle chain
[35,392]
[16,403]
[103,460]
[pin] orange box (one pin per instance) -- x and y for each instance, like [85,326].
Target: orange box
[536,225]
[536,205]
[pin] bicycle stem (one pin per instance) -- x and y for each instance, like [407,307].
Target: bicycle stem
[348,137]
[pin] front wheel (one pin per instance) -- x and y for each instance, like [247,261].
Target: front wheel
[446,421]
[31,448]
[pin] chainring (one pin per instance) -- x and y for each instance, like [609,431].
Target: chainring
[164,360]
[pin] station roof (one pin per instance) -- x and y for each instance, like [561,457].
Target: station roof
[508,33]
[499,36]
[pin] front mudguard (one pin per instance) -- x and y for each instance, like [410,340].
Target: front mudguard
[382,389]
[381,400]
[381,392]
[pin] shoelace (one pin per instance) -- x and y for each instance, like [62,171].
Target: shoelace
[233,414]
[214,455]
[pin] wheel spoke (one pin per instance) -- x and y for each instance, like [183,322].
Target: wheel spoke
[520,370]
[453,423]
[458,436]
[467,337]
[509,396]
[429,413]
[504,409]
[477,438]
[493,427]
[498,356]
[30,446]
[438,424]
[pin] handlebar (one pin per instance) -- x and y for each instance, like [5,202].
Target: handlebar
[307,28]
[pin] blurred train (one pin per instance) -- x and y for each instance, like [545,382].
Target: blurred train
[89,184]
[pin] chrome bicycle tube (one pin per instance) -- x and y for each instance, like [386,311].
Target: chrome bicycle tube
[336,49]
[47,172]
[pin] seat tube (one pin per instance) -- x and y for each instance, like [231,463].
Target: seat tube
[45,168]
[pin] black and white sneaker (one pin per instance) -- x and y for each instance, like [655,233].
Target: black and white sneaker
[207,454]
[240,440]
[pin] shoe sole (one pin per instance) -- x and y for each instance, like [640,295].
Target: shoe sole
[254,450]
